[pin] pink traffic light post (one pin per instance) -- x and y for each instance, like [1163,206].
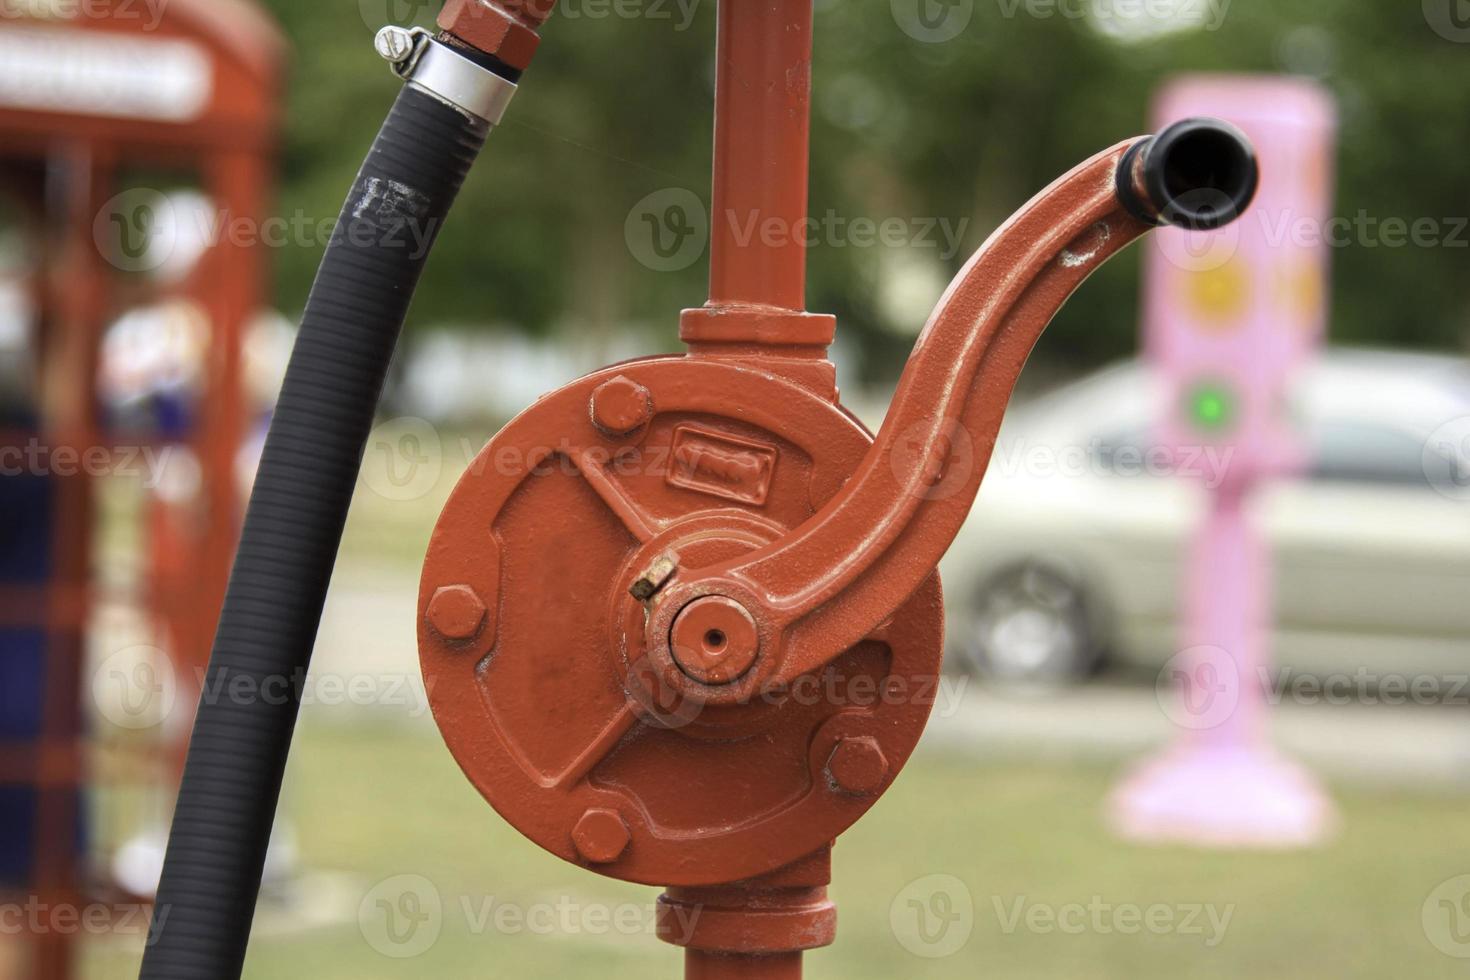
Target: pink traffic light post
[1231,318]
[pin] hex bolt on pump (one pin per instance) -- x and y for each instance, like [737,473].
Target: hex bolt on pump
[704,642]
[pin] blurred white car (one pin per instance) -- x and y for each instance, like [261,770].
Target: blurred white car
[1072,557]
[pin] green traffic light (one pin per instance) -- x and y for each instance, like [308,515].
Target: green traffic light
[1212,406]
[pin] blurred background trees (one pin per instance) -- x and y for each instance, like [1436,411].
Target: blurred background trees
[961,132]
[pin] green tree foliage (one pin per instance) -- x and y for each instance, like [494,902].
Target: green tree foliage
[617,107]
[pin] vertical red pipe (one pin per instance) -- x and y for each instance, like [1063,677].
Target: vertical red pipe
[762,130]
[758,238]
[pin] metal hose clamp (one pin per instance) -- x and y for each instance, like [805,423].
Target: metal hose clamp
[440,71]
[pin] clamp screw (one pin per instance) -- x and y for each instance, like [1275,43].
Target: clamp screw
[621,406]
[457,613]
[394,44]
[601,836]
[858,766]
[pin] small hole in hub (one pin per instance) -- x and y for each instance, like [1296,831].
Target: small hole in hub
[715,640]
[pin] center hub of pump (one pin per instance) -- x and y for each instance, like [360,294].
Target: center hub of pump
[594,696]
[715,640]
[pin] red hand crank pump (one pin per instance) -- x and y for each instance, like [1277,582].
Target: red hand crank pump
[681,622]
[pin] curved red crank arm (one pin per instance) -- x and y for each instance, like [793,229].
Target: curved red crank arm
[832,581]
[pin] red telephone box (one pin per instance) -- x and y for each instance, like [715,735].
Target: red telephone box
[99,100]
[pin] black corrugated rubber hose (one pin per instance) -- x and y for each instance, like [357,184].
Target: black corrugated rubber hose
[293,527]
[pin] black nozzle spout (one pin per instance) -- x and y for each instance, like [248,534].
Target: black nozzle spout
[1199,174]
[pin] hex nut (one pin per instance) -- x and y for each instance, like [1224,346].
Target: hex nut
[456,612]
[601,836]
[621,406]
[858,766]
[506,29]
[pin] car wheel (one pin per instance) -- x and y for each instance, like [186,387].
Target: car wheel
[1032,627]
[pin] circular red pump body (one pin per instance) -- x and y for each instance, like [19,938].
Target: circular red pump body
[549,700]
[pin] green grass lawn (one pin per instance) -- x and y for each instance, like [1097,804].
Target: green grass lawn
[374,803]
